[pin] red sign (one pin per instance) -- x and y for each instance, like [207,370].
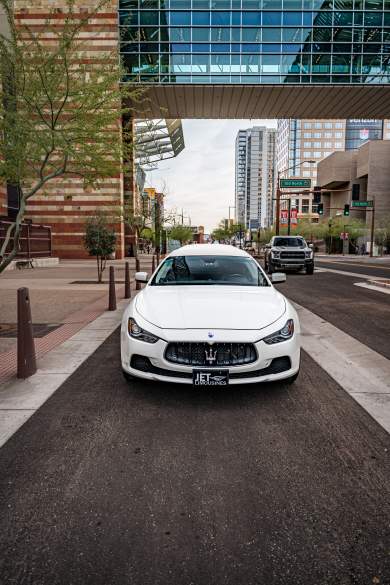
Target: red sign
[284,216]
[294,216]
[344,235]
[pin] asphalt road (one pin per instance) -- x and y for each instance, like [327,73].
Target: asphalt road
[142,484]
[369,268]
[362,313]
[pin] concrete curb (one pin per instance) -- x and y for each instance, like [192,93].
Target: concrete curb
[19,399]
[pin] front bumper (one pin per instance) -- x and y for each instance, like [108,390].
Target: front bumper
[292,263]
[274,362]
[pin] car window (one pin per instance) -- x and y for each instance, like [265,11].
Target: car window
[208,270]
[289,242]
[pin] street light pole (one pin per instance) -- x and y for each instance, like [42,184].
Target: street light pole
[372,237]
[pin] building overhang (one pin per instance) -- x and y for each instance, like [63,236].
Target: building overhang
[265,101]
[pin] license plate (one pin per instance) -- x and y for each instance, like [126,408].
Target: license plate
[210,377]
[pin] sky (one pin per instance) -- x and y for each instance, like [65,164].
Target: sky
[201,178]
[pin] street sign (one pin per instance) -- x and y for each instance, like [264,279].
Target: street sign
[294,216]
[362,203]
[284,216]
[284,183]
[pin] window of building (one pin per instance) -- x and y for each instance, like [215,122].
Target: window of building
[317,145]
[317,134]
[338,145]
[306,173]
[338,125]
[305,205]
[317,154]
[318,125]
[306,154]
[328,125]
[307,125]
[328,135]
[307,144]
[307,135]
[327,145]
[355,192]
[338,134]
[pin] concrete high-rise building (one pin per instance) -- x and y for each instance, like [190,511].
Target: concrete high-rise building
[255,176]
[300,141]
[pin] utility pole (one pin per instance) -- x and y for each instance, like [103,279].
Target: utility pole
[289,217]
[277,223]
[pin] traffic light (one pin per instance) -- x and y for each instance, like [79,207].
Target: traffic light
[346,209]
[320,209]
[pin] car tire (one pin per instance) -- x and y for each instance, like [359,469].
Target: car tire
[128,377]
[291,379]
[310,270]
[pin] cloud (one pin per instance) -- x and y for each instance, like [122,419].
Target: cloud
[201,179]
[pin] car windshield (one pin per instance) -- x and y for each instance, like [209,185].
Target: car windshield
[289,242]
[222,270]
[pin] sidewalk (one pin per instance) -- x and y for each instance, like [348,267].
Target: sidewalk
[64,299]
[353,258]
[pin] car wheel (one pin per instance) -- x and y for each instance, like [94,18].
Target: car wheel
[310,270]
[291,379]
[128,377]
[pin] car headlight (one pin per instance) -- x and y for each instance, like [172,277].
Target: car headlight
[137,332]
[282,335]
[275,253]
[309,254]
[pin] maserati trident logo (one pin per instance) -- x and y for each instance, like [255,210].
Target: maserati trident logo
[210,334]
[211,355]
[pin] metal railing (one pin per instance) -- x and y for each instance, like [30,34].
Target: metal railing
[34,242]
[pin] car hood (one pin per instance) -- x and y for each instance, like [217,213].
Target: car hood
[210,307]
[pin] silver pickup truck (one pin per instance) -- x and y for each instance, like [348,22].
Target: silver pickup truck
[288,252]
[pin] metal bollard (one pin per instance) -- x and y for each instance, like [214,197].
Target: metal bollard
[111,291]
[27,364]
[153,263]
[127,281]
[137,269]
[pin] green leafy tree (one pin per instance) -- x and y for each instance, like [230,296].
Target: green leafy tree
[60,113]
[99,241]
[181,233]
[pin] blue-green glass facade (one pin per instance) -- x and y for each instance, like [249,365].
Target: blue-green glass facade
[256,41]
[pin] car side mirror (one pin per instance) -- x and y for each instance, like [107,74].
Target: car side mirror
[141,277]
[311,246]
[268,246]
[278,277]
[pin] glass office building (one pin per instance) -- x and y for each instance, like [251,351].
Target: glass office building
[256,41]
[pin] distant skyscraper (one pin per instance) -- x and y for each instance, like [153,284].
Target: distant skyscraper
[255,176]
[359,131]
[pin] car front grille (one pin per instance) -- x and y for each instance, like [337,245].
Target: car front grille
[211,355]
[285,255]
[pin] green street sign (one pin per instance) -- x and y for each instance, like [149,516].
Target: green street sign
[284,183]
[362,203]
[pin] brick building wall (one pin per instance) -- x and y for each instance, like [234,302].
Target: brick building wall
[66,204]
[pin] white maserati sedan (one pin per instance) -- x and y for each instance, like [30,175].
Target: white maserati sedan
[210,316]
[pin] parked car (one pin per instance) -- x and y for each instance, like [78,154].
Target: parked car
[209,316]
[288,252]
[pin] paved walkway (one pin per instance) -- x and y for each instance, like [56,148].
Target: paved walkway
[64,295]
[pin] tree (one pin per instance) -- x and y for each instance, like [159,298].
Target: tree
[181,233]
[60,112]
[99,241]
